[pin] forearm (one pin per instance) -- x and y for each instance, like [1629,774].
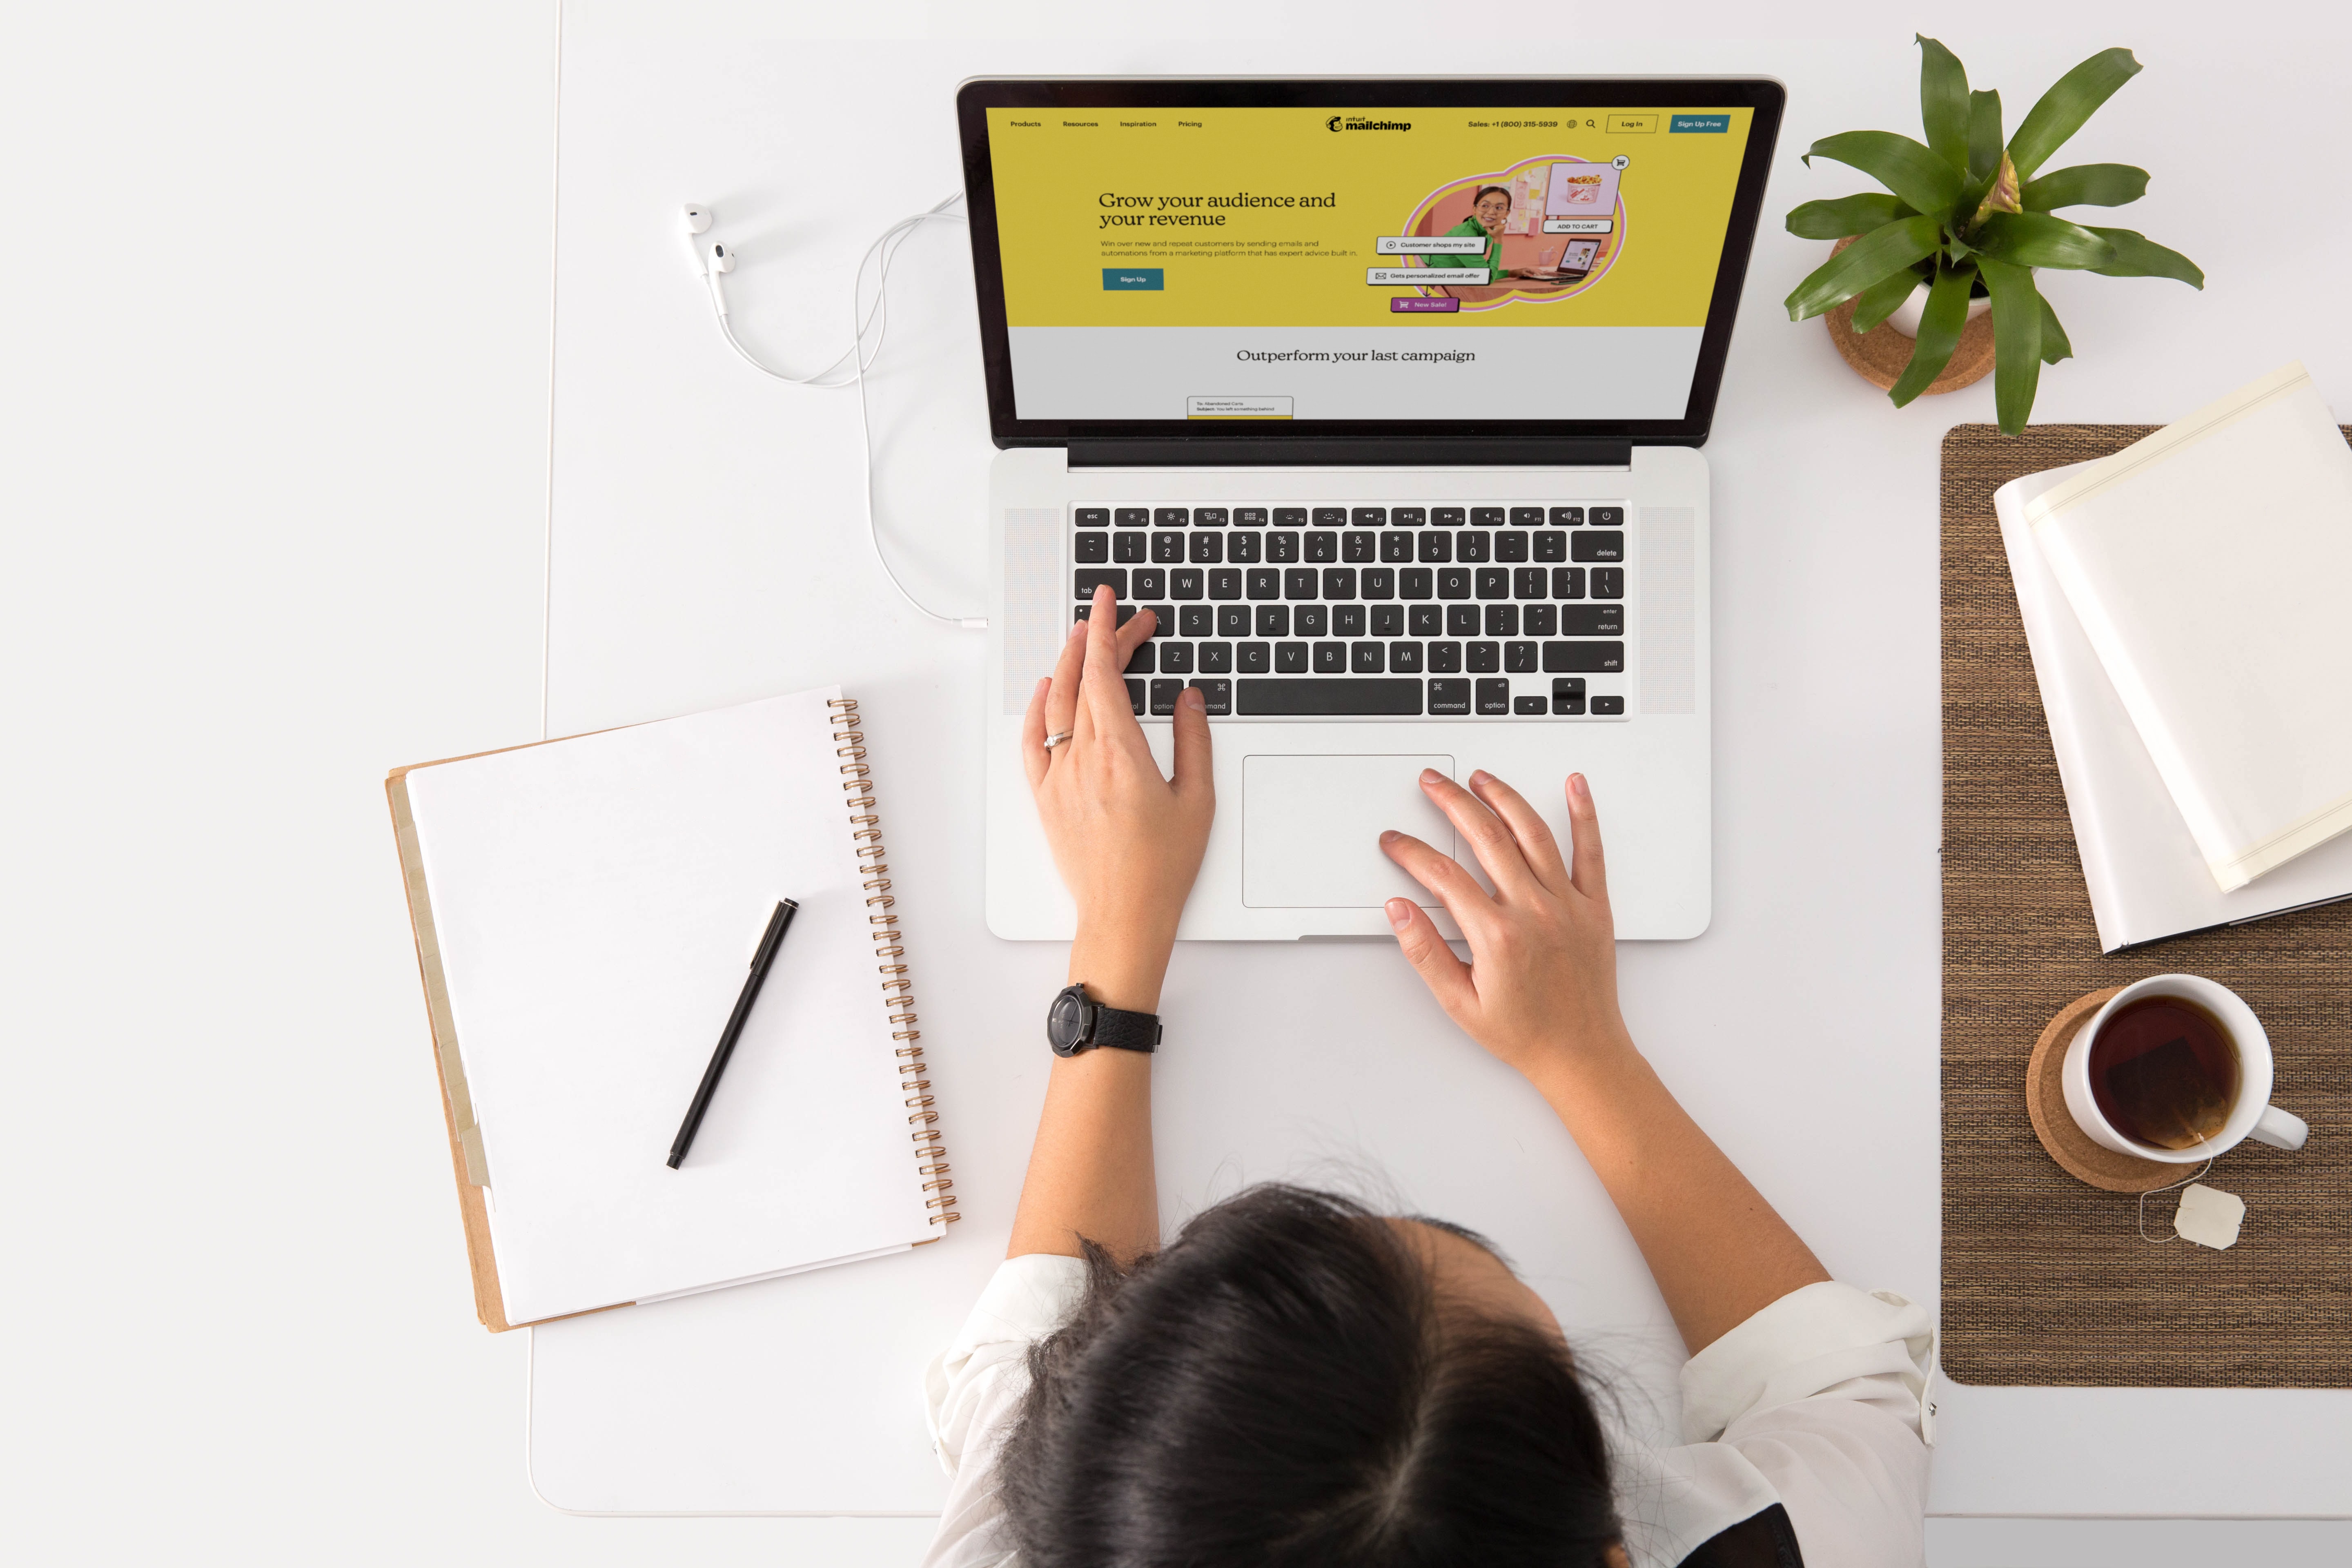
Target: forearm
[1716,1250]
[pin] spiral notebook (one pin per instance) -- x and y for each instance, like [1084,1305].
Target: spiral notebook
[585,912]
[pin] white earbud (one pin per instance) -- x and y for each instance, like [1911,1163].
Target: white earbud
[697,218]
[721,262]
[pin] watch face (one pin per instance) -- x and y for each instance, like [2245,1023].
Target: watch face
[1065,1023]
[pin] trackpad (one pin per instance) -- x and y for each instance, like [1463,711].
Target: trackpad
[1311,829]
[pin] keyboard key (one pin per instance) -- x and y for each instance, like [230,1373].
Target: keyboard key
[1163,697]
[1208,548]
[1404,658]
[1416,582]
[1486,658]
[1322,547]
[1209,517]
[1347,620]
[1567,699]
[1436,547]
[1185,583]
[1493,697]
[1551,545]
[1527,706]
[1196,620]
[1370,516]
[1086,613]
[1472,545]
[1273,620]
[1502,620]
[1360,546]
[1408,516]
[1379,583]
[1366,658]
[1249,516]
[1610,546]
[1339,583]
[1608,517]
[1090,578]
[1520,658]
[1425,621]
[1255,657]
[1176,658]
[1449,696]
[1225,582]
[1311,621]
[1216,658]
[1133,516]
[1608,706]
[1284,547]
[1150,583]
[1387,620]
[1526,516]
[1129,547]
[1608,583]
[1386,697]
[1216,696]
[1163,619]
[1396,546]
[1264,581]
[1135,695]
[1494,582]
[1094,516]
[1567,517]
[1568,582]
[1241,549]
[1511,544]
[1233,620]
[1454,583]
[1093,547]
[1593,621]
[1446,516]
[1330,517]
[1140,662]
[1540,620]
[1290,658]
[1528,581]
[1330,659]
[1444,659]
[1170,517]
[1290,517]
[1462,620]
[1583,658]
[1486,517]
[1299,583]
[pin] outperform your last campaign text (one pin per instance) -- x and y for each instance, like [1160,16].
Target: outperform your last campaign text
[1191,212]
[1349,356]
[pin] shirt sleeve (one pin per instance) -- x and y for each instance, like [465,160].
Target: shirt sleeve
[1823,1392]
[973,1391]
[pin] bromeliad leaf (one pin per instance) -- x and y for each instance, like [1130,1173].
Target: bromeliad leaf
[1884,298]
[1924,181]
[1846,216]
[1944,102]
[2137,256]
[2085,185]
[2016,342]
[2054,346]
[1984,135]
[2037,239]
[2072,98]
[1864,262]
[1941,325]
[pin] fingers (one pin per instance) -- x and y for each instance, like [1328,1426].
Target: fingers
[1062,701]
[1489,839]
[1033,760]
[1591,872]
[1454,887]
[1527,825]
[1102,689]
[1447,977]
[1193,777]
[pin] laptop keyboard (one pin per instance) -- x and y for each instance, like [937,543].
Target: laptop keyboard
[1367,611]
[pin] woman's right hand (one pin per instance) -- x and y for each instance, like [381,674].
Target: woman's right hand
[1541,989]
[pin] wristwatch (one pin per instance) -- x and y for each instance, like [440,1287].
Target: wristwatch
[1076,1022]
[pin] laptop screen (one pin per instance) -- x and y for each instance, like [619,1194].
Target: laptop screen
[1199,267]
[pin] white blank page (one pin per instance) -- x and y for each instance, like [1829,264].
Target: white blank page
[598,900]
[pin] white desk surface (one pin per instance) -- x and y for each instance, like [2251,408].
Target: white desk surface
[706,549]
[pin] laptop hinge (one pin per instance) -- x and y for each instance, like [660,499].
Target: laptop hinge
[1207,453]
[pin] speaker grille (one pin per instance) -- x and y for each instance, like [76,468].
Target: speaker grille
[1669,599]
[1035,616]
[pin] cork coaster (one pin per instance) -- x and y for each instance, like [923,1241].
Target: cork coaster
[1879,354]
[2045,1102]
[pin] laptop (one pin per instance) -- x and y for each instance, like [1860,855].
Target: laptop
[1295,365]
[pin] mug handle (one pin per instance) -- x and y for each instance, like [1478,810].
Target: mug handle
[2279,1129]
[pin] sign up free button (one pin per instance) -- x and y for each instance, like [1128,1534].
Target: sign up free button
[1685,124]
[1130,278]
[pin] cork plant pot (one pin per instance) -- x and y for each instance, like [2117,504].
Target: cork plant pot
[1879,355]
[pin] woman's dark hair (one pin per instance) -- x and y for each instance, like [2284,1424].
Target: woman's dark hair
[1498,190]
[1282,1387]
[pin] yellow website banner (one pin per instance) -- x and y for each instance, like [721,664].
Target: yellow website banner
[1279,216]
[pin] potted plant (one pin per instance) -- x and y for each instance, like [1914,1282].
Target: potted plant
[1966,214]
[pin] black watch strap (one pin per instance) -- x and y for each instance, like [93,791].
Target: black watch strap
[1126,1031]
[1079,1023]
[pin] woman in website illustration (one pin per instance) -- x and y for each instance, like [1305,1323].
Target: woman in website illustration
[1488,209]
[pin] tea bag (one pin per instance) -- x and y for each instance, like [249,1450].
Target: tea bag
[2208,1217]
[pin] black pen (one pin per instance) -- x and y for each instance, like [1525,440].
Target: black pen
[778,924]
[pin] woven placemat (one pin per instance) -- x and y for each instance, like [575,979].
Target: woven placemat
[2046,1280]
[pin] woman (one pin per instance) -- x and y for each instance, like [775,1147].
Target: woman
[1488,208]
[1297,1381]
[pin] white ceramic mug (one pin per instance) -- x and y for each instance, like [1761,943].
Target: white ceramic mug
[2251,1114]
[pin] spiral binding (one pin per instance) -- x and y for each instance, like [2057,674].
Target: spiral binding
[889,947]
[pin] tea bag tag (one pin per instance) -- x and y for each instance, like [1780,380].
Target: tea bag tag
[2208,1216]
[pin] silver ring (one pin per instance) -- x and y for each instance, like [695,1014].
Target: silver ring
[1054,740]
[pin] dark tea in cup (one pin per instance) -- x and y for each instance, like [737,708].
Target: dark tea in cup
[2164,1072]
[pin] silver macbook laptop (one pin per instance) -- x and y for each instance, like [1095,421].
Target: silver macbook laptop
[1385,397]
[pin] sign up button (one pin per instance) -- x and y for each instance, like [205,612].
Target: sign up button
[1134,277]
[1682,124]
